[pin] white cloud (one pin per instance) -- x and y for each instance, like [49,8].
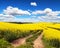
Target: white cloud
[38,12]
[20,20]
[6,16]
[49,18]
[10,13]
[29,20]
[33,4]
[47,11]
[49,15]
[15,11]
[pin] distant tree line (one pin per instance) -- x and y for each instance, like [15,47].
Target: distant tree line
[21,22]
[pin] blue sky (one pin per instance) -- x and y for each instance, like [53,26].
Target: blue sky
[30,10]
[25,4]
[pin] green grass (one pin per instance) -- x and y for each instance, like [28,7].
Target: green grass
[25,46]
[13,35]
[52,43]
[5,44]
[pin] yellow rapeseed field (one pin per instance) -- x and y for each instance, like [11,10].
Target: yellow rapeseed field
[49,33]
[5,25]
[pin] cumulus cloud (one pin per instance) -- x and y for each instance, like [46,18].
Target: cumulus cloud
[15,11]
[29,20]
[10,13]
[33,4]
[37,12]
[48,15]
[47,11]
[20,20]
[49,18]
[4,17]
